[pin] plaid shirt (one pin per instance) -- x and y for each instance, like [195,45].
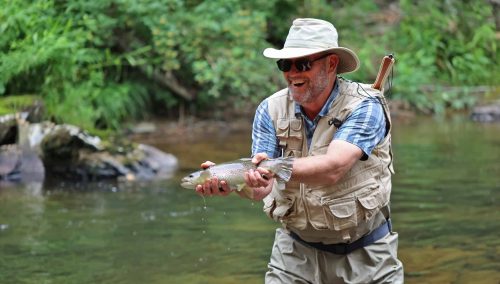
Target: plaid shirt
[364,127]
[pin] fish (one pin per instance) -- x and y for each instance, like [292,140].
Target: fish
[233,173]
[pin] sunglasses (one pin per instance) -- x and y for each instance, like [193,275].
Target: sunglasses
[301,65]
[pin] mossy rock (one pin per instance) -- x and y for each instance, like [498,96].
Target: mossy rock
[32,104]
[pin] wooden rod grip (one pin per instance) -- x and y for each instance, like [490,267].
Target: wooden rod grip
[383,72]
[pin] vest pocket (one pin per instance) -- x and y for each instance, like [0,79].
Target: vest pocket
[278,207]
[296,128]
[282,128]
[344,215]
[330,212]
[371,201]
[333,214]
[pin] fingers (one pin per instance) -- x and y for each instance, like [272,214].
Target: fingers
[224,188]
[264,173]
[207,164]
[257,178]
[259,157]
[213,187]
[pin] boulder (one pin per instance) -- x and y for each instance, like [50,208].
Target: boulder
[488,113]
[66,151]
[70,152]
[17,165]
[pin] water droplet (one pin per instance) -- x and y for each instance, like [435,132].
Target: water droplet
[4,227]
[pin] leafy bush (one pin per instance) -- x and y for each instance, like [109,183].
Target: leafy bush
[100,63]
[450,43]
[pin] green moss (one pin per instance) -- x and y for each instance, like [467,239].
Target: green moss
[12,104]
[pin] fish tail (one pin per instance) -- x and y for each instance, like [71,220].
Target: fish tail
[284,172]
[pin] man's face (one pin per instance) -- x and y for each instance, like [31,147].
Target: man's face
[306,86]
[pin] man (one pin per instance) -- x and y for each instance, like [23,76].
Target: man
[335,207]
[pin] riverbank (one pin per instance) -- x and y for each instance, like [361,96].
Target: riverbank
[191,128]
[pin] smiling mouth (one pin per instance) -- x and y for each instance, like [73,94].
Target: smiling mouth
[297,83]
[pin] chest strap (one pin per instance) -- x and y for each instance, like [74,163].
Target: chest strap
[343,249]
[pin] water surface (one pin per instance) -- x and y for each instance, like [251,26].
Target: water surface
[445,208]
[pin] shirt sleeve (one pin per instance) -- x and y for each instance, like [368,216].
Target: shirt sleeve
[364,127]
[263,133]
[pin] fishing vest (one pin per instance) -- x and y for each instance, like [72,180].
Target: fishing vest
[333,213]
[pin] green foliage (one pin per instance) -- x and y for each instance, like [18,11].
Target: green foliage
[97,64]
[58,50]
[445,43]
[16,103]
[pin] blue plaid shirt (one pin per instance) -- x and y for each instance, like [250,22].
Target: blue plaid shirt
[364,127]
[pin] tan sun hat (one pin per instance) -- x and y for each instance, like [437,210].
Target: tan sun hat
[309,36]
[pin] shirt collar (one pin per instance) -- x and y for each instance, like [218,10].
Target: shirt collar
[326,107]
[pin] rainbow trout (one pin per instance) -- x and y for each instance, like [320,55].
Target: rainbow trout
[234,172]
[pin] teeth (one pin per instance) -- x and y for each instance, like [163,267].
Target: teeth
[297,82]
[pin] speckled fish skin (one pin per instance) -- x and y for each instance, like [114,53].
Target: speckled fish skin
[234,172]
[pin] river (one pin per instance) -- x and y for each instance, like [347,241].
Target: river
[445,205]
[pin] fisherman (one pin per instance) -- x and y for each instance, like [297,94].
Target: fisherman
[335,207]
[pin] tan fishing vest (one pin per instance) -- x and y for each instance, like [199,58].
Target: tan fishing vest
[342,212]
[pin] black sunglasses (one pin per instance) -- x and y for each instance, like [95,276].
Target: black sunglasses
[302,65]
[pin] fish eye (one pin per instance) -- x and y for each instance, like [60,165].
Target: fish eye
[191,176]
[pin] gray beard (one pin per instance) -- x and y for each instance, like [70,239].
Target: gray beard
[314,91]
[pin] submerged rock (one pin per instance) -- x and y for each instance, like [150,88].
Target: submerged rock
[18,165]
[489,113]
[70,152]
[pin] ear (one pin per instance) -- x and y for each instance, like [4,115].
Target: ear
[334,62]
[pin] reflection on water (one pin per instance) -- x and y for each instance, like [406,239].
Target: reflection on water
[445,205]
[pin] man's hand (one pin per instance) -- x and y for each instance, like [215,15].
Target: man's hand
[259,180]
[259,177]
[212,186]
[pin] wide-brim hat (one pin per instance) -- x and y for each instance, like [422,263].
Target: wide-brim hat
[311,36]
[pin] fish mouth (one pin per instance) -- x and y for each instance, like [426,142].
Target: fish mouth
[186,183]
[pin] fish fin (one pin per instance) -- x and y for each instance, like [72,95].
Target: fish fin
[285,171]
[247,191]
[240,187]
[280,183]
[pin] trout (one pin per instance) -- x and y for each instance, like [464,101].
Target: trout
[234,173]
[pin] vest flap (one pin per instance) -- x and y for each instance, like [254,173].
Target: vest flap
[344,209]
[296,124]
[283,124]
[369,202]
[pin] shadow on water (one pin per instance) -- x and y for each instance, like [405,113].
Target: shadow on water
[445,204]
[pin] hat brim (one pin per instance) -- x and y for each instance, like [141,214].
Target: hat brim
[349,61]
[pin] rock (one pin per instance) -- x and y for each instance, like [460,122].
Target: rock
[70,152]
[10,157]
[489,113]
[19,165]
[143,128]
[8,127]
[158,163]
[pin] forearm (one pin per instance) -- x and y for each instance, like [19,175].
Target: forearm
[328,168]
[316,170]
